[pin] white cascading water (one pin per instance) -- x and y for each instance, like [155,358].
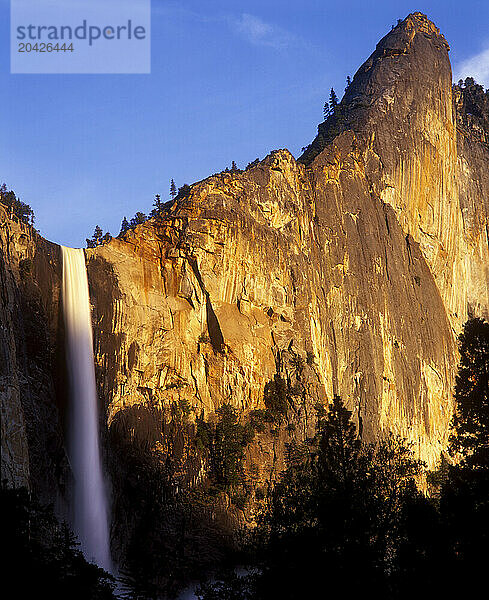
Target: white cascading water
[91,515]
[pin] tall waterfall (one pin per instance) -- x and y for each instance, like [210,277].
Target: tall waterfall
[91,516]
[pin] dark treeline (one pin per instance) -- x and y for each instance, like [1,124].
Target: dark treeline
[475,102]
[345,518]
[41,558]
[348,518]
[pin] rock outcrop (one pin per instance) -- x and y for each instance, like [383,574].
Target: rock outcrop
[31,362]
[434,171]
[349,271]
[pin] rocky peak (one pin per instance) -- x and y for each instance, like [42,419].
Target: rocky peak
[418,22]
[400,106]
[406,64]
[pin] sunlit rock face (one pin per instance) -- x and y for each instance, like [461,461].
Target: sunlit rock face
[433,165]
[348,272]
[281,270]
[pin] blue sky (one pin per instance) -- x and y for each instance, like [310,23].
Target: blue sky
[229,81]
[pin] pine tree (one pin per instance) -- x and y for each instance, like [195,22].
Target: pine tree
[471,418]
[464,498]
[336,512]
[252,163]
[97,234]
[138,218]
[18,208]
[333,102]
[348,82]
[339,445]
[157,207]
[326,110]
[184,190]
[173,189]
[234,168]
[96,238]
[124,226]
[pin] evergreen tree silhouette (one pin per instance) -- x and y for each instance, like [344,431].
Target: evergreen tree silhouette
[173,189]
[124,226]
[96,238]
[157,207]
[326,110]
[333,101]
[471,418]
[138,218]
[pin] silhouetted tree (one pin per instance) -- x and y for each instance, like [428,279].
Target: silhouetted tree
[336,512]
[173,189]
[157,207]
[330,105]
[225,441]
[348,82]
[464,495]
[96,238]
[333,101]
[252,163]
[276,398]
[138,218]
[470,437]
[183,191]
[124,226]
[326,110]
[43,559]
[336,520]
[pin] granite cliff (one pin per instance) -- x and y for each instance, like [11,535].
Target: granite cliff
[348,271]
[31,361]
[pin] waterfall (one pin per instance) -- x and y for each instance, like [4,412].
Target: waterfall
[90,507]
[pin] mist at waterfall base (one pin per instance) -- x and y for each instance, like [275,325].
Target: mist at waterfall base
[90,505]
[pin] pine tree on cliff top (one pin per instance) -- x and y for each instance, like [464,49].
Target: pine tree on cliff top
[326,110]
[138,218]
[333,101]
[157,207]
[124,226]
[173,189]
[96,238]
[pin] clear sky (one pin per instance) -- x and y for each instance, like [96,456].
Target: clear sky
[229,81]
